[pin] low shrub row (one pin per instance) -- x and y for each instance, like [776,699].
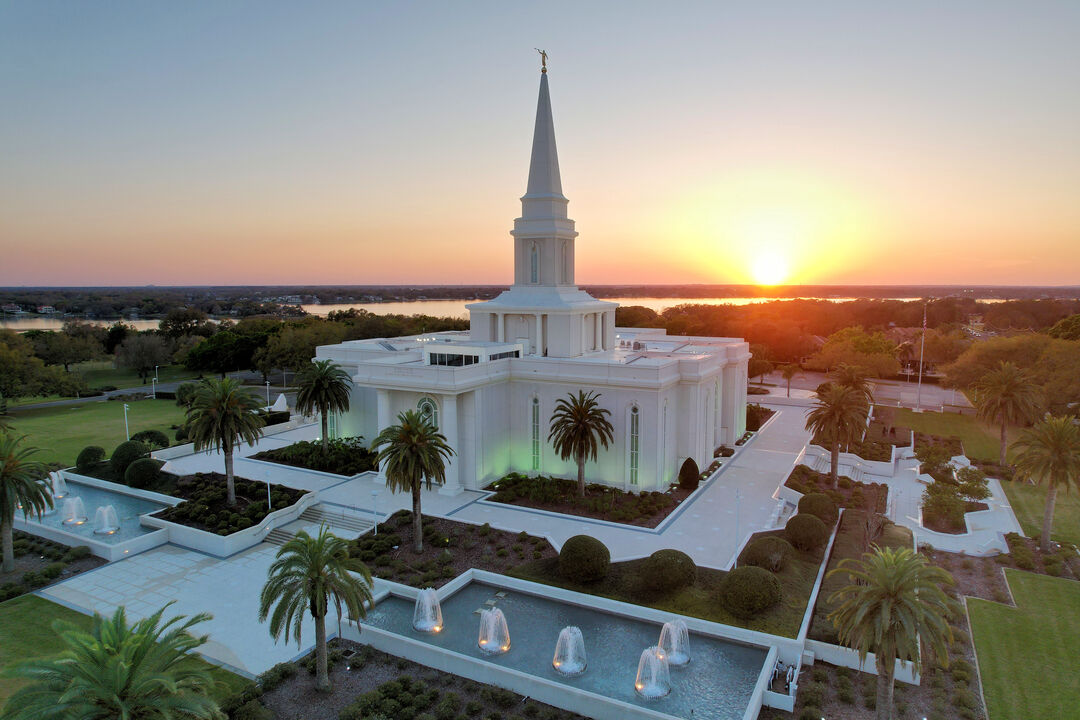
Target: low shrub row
[343,456]
[206,508]
[55,559]
[848,493]
[601,501]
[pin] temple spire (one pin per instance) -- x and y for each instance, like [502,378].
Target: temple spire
[544,178]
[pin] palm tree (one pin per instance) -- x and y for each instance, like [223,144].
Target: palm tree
[1008,395]
[854,377]
[221,415]
[306,575]
[579,426]
[115,670]
[1049,453]
[410,452]
[788,372]
[894,601]
[22,486]
[837,416]
[323,386]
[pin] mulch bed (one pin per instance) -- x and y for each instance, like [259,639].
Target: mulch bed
[450,548]
[941,524]
[297,699]
[952,444]
[34,561]
[205,507]
[849,494]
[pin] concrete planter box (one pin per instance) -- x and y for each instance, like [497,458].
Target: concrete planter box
[226,545]
[846,657]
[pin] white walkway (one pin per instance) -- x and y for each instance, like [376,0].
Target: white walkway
[227,588]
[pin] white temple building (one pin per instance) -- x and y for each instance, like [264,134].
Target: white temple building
[491,391]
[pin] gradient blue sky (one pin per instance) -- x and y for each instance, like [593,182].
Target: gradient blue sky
[344,142]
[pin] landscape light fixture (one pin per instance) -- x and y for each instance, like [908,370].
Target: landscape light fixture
[127,432]
[374,510]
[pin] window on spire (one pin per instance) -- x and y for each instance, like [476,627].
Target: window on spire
[534,264]
[635,443]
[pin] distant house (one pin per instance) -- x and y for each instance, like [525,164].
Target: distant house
[46,309]
[11,308]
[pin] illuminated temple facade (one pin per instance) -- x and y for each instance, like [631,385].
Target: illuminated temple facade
[491,391]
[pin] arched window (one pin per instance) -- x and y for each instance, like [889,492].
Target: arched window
[429,411]
[635,443]
[565,262]
[534,264]
[536,434]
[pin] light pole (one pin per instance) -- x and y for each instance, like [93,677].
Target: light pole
[127,432]
[155,373]
[268,396]
[922,349]
[153,387]
[269,506]
[374,509]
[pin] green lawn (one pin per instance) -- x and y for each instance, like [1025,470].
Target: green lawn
[101,372]
[980,440]
[26,634]
[1029,501]
[1027,654]
[61,432]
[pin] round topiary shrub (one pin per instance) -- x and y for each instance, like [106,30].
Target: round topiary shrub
[689,475]
[668,570]
[91,455]
[125,454]
[142,473]
[806,532]
[821,506]
[152,438]
[584,559]
[748,590]
[182,434]
[769,552]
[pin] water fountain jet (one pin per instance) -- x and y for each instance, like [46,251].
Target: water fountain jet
[675,642]
[494,634]
[570,657]
[74,511]
[427,615]
[653,679]
[58,484]
[105,520]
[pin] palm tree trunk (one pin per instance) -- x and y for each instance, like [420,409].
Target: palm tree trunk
[884,692]
[9,548]
[1004,441]
[322,674]
[834,464]
[417,528]
[1048,518]
[581,475]
[325,430]
[230,484]
[789,387]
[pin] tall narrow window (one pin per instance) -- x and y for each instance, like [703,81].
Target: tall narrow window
[536,434]
[635,443]
[663,449]
[331,425]
[534,264]
[429,411]
[565,263]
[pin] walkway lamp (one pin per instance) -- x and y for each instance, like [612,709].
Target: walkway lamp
[155,373]
[269,505]
[153,388]
[922,349]
[268,396]
[127,432]
[374,509]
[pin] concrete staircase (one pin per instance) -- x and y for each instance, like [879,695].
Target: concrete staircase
[343,523]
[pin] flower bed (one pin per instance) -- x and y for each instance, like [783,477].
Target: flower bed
[344,456]
[896,435]
[848,494]
[645,509]
[40,562]
[952,444]
[205,507]
[450,548]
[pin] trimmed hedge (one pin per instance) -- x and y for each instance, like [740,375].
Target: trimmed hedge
[806,531]
[125,454]
[152,438]
[689,475]
[142,473]
[769,552]
[90,456]
[669,570]
[749,590]
[821,506]
[584,559]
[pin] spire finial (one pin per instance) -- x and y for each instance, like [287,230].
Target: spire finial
[543,59]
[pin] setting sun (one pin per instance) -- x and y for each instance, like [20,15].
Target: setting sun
[769,268]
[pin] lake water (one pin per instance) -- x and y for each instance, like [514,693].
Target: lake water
[436,308]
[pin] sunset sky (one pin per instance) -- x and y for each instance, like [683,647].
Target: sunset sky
[234,142]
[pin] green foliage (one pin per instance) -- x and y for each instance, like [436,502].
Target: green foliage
[153,439]
[853,346]
[689,475]
[206,507]
[821,506]
[342,456]
[933,458]
[579,427]
[769,552]
[185,394]
[749,590]
[125,454]
[806,532]
[1049,454]
[142,473]
[89,456]
[668,570]
[756,415]
[324,388]
[584,559]
[972,483]
[943,508]
[252,710]
[1066,328]
[221,415]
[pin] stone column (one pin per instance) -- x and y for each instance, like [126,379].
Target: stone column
[449,428]
[499,330]
[539,334]
[598,342]
[382,420]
